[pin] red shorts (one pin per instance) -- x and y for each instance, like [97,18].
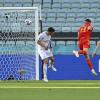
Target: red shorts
[84,44]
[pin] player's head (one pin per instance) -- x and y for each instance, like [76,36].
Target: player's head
[51,30]
[87,22]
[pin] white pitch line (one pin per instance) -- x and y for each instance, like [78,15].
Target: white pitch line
[49,87]
[59,83]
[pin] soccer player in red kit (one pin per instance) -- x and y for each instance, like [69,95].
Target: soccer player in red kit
[84,34]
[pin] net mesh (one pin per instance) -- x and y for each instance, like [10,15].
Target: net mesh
[17,45]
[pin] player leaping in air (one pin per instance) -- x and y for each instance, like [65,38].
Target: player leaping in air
[96,49]
[84,34]
[45,52]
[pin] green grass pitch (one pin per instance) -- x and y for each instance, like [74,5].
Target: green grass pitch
[53,90]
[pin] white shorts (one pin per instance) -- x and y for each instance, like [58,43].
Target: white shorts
[45,54]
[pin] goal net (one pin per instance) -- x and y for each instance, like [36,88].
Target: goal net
[19,27]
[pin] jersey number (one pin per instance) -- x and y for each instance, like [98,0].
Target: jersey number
[83,29]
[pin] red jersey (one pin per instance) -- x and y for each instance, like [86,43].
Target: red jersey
[84,32]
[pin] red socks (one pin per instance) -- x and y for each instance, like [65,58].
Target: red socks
[87,60]
[89,63]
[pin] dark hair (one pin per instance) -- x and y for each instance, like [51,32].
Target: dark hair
[51,29]
[88,20]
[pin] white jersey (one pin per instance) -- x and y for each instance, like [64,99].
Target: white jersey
[45,39]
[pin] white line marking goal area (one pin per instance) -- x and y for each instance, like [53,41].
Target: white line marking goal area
[17,87]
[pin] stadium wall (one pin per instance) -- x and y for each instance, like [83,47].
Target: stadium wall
[71,68]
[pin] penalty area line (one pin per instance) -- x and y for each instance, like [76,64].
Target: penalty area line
[13,87]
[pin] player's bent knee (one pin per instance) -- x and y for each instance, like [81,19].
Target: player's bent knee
[45,61]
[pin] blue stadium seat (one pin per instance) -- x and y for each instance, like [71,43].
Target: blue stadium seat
[57,28]
[17,4]
[56,5]
[97,19]
[75,29]
[60,43]
[51,19]
[27,4]
[95,5]
[71,15]
[74,10]
[67,1]
[1,1]
[96,29]
[66,5]
[57,1]
[85,5]
[5,1]
[97,14]
[44,15]
[93,1]
[70,42]
[67,24]
[92,43]
[84,10]
[66,29]
[70,47]
[46,5]
[45,28]
[37,1]
[46,1]
[57,10]
[83,15]
[75,5]
[80,19]
[77,24]
[70,19]
[8,4]
[96,24]
[94,10]
[60,19]
[52,15]
[92,15]
[61,15]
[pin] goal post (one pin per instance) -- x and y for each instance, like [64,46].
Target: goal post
[13,36]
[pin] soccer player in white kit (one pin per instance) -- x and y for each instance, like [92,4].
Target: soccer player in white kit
[45,52]
[96,49]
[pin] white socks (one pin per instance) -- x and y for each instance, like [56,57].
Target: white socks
[45,70]
[92,70]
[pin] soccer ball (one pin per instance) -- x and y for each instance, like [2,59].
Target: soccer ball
[28,21]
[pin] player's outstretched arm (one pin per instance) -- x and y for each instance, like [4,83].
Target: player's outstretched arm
[96,49]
